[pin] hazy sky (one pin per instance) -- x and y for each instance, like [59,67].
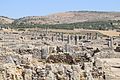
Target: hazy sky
[20,8]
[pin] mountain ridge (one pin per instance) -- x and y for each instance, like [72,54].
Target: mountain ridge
[71,17]
[6,20]
[64,17]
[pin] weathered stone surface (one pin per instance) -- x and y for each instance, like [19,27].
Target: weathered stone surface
[61,58]
[36,54]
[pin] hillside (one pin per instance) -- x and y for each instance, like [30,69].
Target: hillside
[70,17]
[5,20]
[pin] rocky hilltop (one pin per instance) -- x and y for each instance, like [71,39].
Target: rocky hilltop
[64,17]
[70,17]
[5,20]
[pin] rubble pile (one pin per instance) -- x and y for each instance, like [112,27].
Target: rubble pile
[61,58]
[108,54]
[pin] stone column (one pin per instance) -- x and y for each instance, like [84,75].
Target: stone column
[44,52]
[76,40]
[80,37]
[67,48]
[46,31]
[110,42]
[68,39]
[62,37]
[56,37]
[90,35]
[71,37]
[87,36]
[96,36]
[83,37]
[52,38]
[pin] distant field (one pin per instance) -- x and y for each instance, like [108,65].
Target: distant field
[84,31]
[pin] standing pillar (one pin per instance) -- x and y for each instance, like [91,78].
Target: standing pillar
[80,37]
[52,38]
[56,37]
[87,36]
[68,39]
[59,36]
[90,36]
[67,48]
[44,52]
[96,36]
[62,37]
[76,40]
[110,43]
[83,37]
[46,30]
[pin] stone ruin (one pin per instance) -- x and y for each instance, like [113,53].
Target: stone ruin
[41,55]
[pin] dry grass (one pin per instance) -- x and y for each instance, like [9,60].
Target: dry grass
[84,31]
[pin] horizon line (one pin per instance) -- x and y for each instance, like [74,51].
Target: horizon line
[99,11]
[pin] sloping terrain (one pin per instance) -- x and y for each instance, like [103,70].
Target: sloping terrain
[5,20]
[70,17]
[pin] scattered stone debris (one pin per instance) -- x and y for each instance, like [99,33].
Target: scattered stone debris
[61,58]
[46,55]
